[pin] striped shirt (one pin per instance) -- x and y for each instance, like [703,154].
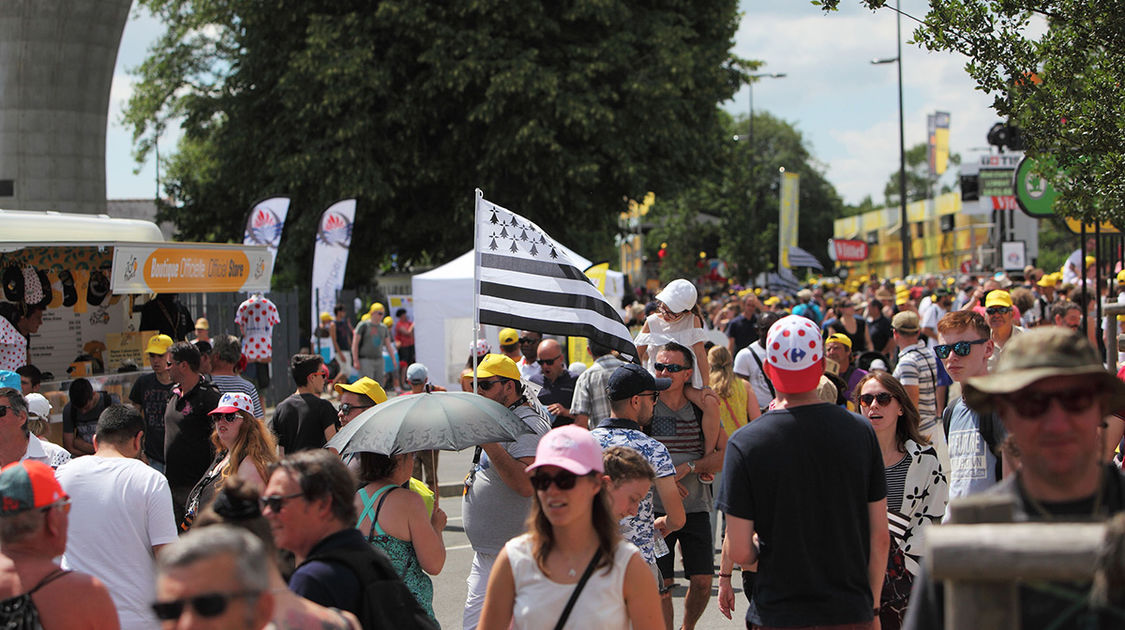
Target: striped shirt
[234,384]
[590,398]
[917,366]
[896,483]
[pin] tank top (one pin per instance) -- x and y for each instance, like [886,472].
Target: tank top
[540,601]
[19,612]
[401,552]
[732,409]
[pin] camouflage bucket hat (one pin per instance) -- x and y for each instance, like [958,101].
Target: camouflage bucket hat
[1045,352]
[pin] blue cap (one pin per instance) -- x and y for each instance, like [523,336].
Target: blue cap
[9,378]
[631,379]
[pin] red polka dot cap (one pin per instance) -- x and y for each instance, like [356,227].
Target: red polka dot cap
[794,355]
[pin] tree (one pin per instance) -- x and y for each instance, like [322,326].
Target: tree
[743,193]
[920,184]
[555,110]
[1060,85]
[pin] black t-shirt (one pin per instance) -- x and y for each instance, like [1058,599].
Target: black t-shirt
[330,583]
[805,476]
[84,425]
[187,434]
[151,396]
[744,331]
[300,420]
[1040,607]
[560,391]
[172,319]
[859,340]
[880,330]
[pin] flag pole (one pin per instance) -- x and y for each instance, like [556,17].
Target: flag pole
[478,196]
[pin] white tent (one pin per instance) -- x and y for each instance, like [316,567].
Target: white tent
[443,315]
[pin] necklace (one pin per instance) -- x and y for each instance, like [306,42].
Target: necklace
[1049,516]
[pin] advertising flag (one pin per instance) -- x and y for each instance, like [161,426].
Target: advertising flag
[939,142]
[330,258]
[265,223]
[787,221]
[528,281]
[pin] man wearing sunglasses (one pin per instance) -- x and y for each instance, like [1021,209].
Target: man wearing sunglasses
[975,462]
[216,577]
[1052,393]
[304,420]
[37,593]
[555,381]
[1001,319]
[498,492]
[17,443]
[187,425]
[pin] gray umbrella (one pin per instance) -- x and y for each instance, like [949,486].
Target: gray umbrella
[448,421]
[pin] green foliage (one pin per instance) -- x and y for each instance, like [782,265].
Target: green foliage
[919,183]
[679,224]
[866,205]
[1054,68]
[1056,242]
[555,109]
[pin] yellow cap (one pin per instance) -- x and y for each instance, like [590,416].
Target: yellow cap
[158,344]
[839,338]
[509,336]
[498,365]
[772,301]
[202,324]
[365,317]
[365,387]
[1121,277]
[377,306]
[1090,260]
[1049,280]
[326,317]
[387,321]
[998,297]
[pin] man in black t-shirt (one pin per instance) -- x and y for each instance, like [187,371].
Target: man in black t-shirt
[80,416]
[187,425]
[150,396]
[807,479]
[1052,393]
[304,420]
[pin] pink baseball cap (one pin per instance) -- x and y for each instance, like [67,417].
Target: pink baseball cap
[794,352]
[231,402]
[571,448]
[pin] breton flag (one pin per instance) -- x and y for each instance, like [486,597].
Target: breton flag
[528,281]
[801,258]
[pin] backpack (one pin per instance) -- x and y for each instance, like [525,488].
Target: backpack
[386,602]
[987,429]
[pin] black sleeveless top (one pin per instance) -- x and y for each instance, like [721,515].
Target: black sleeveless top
[19,612]
[859,340]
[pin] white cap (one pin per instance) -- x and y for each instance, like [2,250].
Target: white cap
[38,405]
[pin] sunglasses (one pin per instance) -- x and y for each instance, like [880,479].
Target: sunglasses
[277,501]
[487,385]
[671,368]
[884,399]
[961,348]
[4,410]
[527,340]
[206,605]
[652,395]
[62,503]
[565,480]
[347,408]
[1032,404]
[548,361]
[227,417]
[998,310]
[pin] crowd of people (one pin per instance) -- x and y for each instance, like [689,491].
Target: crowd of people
[814,439]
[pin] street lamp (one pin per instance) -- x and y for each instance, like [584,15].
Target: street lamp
[901,146]
[750,138]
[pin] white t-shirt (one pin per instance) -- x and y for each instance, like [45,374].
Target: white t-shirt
[746,366]
[119,509]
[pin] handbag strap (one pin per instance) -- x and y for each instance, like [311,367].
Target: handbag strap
[578,589]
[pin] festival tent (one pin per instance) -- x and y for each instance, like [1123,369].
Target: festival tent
[443,315]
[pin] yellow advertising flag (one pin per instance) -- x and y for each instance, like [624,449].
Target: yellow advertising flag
[576,346]
[787,221]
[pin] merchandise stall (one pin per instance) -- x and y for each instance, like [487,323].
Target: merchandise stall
[93,274]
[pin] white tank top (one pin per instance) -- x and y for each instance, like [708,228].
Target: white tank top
[540,602]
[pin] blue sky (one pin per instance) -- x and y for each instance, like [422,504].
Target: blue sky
[846,108]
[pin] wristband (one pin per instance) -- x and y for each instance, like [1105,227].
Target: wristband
[724,575]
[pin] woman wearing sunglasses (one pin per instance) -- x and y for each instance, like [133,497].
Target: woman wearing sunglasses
[917,490]
[244,449]
[399,524]
[571,570]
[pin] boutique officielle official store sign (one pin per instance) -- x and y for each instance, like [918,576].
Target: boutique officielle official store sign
[191,268]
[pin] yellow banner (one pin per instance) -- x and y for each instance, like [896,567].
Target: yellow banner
[576,346]
[787,221]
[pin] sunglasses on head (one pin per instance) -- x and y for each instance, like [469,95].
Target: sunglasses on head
[276,502]
[1032,404]
[671,368]
[998,310]
[227,417]
[961,348]
[347,408]
[487,385]
[564,480]
[548,361]
[206,605]
[884,399]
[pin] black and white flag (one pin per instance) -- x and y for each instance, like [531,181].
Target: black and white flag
[528,281]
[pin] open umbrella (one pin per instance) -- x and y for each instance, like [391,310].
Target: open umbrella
[448,421]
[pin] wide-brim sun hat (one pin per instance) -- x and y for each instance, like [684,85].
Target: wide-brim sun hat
[1042,353]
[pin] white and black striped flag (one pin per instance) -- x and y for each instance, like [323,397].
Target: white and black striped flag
[528,281]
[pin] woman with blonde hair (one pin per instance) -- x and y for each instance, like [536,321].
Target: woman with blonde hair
[572,569]
[244,449]
[917,490]
[737,403]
